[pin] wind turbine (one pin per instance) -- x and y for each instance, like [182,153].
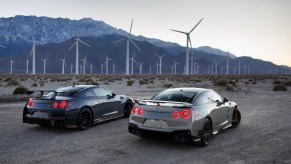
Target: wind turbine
[187,49]
[160,57]
[27,64]
[84,64]
[102,65]
[44,64]
[132,61]
[107,62]
[11,65]
[77,52]
[140,67]
[157,65]
[63,64]
[128,38]
[150,69]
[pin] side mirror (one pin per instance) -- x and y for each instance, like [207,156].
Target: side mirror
[113,94]
[225,100]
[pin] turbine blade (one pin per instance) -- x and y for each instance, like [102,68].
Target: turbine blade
[134,44]
[130,26]
[2,46]
[72,46]
[31,52]
[84,43]
[179,31]
[119,40]
[189,39]
[196,25]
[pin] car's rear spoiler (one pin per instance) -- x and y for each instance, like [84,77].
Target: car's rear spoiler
[165,103]
[41,92]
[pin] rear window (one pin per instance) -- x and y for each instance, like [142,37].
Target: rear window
[65,92]
[178,96]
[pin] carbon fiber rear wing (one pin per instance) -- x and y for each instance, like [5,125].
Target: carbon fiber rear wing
[41,92]
[165,103]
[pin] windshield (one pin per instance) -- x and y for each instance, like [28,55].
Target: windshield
[65,92]
[178,96]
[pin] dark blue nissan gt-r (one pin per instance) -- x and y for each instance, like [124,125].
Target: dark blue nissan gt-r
[76,106]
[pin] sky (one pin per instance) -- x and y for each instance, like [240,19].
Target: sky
[257,28]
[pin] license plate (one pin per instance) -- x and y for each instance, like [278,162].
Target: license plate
[153,123]
[38,114]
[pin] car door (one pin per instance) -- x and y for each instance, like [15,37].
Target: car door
[108,104]
[220,111]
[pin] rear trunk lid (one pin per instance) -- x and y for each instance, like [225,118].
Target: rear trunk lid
[162,106]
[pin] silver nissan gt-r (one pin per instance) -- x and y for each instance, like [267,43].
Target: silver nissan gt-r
[186,114]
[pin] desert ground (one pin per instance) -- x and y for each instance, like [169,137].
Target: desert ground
[264,135]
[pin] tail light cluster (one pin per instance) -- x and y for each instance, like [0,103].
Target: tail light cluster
[185,113]
[29,102]
[62,104]
[136,110]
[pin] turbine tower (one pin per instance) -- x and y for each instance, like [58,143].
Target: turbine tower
[44,64]
[175,67]
[132,61]
[227,57]
[63,64]
[11,65]
[113,68]
[27,64]
[128,39]
[77,51]
[72,68]
[187,49]
[84,64]
[106,63]
[33,55]
[140,67]
[91,68]
[160,57]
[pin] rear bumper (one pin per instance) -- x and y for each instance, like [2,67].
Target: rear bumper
[66,119]
[177,135]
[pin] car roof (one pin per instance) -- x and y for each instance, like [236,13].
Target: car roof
[80,86]
[188,89]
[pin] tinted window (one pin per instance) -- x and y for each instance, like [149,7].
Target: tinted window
[214,97]
[65,92]
[87,93]
[202,99]
[178,96]
[102,92]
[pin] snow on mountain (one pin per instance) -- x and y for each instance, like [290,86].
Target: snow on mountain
[215,51]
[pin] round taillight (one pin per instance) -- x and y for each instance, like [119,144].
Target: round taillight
[55,105]
[185,113]
[175,114]
[63,104]
[140,110]
[29,102]
[134,109]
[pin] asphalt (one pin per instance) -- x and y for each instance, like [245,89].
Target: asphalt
[264,136]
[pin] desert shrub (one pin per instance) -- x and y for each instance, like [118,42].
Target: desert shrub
[151,81]
[279,87]
[254,82]
[53,80]
[288,83]
[12,82]
[221,82]
[111,80]
[197,80]
[247,83]
[167,85]
[34,85]
[143,81]
[231,82]
[130,82]
[41,84]
[20,90]
[277,82]
[106,83]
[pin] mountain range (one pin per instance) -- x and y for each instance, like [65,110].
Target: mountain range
[55,36]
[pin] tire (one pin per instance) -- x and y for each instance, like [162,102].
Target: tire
[127,110]
[85,119]
[206,132]
[236,117]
